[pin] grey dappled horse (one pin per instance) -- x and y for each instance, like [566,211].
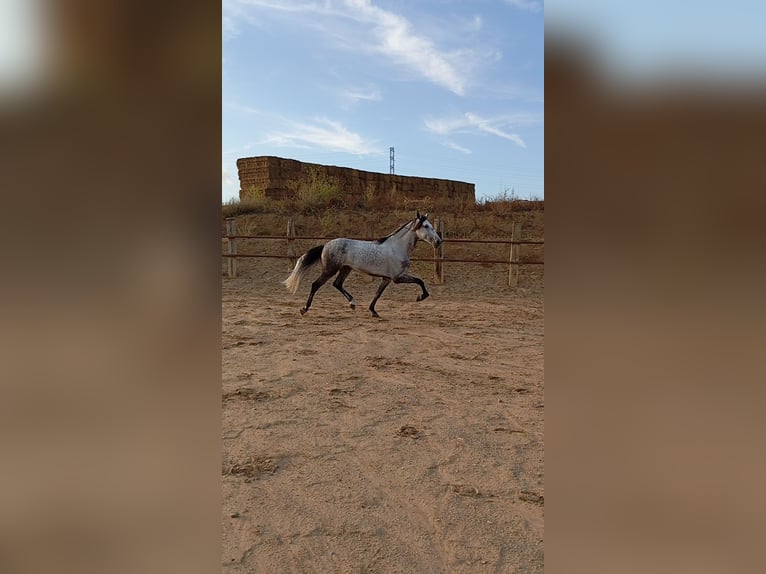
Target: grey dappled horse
[388,257]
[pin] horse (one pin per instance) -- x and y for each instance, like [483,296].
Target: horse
[387,257]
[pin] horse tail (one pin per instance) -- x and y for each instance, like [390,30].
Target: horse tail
[306,262]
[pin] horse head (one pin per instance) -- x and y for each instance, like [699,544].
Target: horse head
[425,231]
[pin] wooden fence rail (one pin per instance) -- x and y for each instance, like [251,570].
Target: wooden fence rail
[372,238]
[513,262]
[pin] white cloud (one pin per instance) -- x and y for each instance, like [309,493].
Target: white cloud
[397,40]
[324,134]
[528,5]
[491,127]
[229,28]
[232,15]
[283,5]
[472,123]
[362,94]
[229,185]
[509,91]
[226,178]
[243,108]
[386,33]
[453,145]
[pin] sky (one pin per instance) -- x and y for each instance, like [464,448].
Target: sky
[455,87]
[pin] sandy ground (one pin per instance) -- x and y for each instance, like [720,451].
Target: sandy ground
[410,443]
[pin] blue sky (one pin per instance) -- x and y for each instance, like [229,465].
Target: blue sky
[456,87]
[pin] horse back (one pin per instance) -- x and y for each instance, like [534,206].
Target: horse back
[365,256]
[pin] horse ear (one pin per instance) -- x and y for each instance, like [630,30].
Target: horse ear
[418,214]
[425,217]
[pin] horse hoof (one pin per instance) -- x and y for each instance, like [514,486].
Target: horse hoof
[303,310]
[421,297]
[352,305]
[374,314]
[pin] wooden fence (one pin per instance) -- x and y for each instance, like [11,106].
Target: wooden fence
[513,261]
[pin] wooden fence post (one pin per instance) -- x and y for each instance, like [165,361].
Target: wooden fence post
[439,255]
[231,231]
[291,244]
[513,271]
[368,234]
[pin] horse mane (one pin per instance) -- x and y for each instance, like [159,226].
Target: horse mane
[383,239]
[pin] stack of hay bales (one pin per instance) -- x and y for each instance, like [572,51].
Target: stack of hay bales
[277,178]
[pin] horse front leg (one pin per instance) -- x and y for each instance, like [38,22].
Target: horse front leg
[413,279]
[382,287]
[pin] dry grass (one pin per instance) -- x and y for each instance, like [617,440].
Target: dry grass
[507,203]
[317,191]
[337,222]
[254,204]
[321,196]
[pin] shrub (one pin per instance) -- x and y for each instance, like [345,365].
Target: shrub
[316,191]
[255,202]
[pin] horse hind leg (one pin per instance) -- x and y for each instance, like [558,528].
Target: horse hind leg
[413,279]
[338,284]
[321,280]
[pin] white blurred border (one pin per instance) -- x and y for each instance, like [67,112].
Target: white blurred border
[656,39]
[24,46]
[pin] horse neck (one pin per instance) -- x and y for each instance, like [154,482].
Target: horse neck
[405,237]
